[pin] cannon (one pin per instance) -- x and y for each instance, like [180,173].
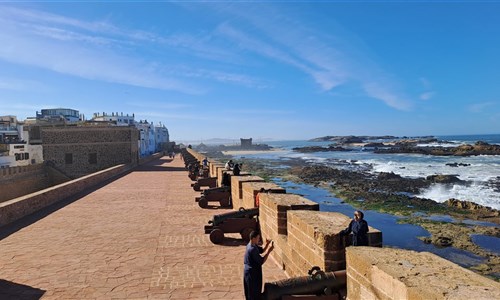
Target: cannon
[318,283]
[210,182]
[218,194]
[243,221]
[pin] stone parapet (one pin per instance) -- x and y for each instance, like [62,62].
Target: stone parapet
[237,188]
[314,240]
[386,273]
[273,212]
[251,189]
[214,167]
[17,208]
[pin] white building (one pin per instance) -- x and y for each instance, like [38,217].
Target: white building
[147,143]
[15,149]
[162,137]
[117,119]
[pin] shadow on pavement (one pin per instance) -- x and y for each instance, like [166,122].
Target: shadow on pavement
[12,290]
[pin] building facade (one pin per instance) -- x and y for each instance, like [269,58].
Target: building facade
[59,114]
[115,118]
[162,138]
[78,151]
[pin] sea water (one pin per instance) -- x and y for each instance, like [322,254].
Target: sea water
[479,177]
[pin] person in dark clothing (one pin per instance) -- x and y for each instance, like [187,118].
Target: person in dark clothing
[252,274]
[236,170]
[359,229]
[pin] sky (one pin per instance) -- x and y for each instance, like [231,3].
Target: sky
[262,69]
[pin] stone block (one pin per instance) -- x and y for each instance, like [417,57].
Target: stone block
[251,189]
[315,235]
[213,168]
[273,208]
[404,274]
[237,188]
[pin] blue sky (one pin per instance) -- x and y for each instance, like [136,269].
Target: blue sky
[263,69]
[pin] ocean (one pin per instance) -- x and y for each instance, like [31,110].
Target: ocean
[481,175]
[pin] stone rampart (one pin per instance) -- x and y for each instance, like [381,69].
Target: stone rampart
[18,181]
[304,237]
[386,273]
[237,188]
[251,189]
[17,208]
[14,209]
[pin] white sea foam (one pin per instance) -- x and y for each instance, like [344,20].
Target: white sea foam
[477,193]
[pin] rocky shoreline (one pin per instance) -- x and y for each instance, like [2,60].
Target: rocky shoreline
[391,193]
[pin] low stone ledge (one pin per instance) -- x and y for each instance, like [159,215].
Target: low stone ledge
[20,207]
[386,273]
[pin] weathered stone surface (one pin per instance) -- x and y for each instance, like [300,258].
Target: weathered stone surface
[237,188]
[251,189]
[385,273]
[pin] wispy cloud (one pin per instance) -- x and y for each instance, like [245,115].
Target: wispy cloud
[480,107]
[15,84]
[258,112]
[305,49]
[95,51]
[428,92]
[427,95]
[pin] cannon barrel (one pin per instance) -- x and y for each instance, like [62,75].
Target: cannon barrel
[241,213]
[319,283]
[223,189]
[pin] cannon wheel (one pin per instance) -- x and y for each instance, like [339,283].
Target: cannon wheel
[196,187]
[245,234]
[216,236]
[203,202]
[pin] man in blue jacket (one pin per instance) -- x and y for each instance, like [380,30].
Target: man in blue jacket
[252,275]
[359,229]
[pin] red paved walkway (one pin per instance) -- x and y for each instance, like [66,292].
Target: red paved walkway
[139,237]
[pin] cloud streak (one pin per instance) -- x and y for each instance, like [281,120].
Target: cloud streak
[304,48]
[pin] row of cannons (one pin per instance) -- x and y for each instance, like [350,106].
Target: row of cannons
[242,221]
[317,284]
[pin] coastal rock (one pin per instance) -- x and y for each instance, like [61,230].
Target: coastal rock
[373,145]
[388,176]
[456,165]
[480,148]
[310,149]
[444,179]
[469,205]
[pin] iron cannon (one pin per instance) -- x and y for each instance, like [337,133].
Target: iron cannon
[318,283]
[218,194]
[242,221]
[210,182]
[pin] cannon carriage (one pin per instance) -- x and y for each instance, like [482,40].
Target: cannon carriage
[318,285]
[243,221]
[216,194]
[209,182]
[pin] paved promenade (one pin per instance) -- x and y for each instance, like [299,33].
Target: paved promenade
[138,237]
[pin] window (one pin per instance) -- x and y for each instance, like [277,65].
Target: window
[92,158]
[68,158]
[26,156]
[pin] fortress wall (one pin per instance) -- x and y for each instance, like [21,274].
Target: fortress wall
[237,188]
[304,237]
[251,189]
[386,273]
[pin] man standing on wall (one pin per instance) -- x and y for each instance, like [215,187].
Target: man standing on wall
[252,274]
